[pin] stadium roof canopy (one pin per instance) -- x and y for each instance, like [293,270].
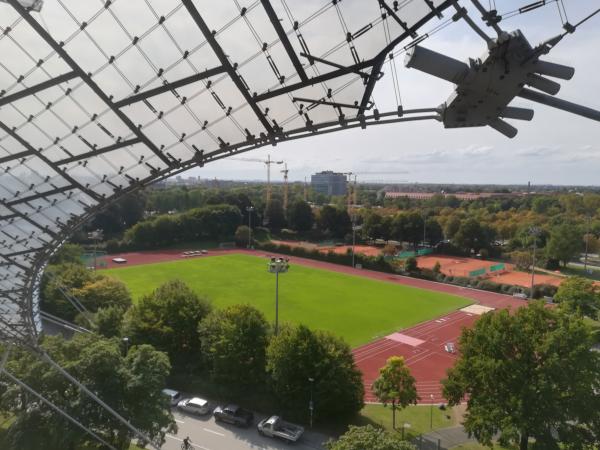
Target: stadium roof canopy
[101,97]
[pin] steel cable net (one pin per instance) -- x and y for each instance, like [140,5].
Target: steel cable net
[102,97]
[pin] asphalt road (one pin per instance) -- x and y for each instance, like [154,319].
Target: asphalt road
[208,435]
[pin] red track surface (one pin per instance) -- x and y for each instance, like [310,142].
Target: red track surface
[428,361]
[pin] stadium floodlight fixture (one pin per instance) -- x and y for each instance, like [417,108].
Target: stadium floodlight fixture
[277,266]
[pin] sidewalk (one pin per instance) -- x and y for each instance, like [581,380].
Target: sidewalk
[443,439]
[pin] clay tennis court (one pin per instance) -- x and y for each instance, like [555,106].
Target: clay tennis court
[455,265]
[524,279]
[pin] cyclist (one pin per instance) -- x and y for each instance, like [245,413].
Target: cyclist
[187,444]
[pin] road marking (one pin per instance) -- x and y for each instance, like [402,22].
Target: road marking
[179,421]
[213,432]
[181,440]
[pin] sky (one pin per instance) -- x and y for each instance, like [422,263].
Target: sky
[554,148]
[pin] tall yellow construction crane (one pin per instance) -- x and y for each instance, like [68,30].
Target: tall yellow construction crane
[268,162]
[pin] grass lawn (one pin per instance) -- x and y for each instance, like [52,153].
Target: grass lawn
[356,308]
[572,270]
[417,416]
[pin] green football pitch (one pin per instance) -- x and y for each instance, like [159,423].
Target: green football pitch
[356,308]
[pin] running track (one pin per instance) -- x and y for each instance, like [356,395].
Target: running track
[428,360]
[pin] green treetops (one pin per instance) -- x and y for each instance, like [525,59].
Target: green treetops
[580,296]
[529,374]
[234,341]
[168,319]
[298,354]
[368,437]
[395,386]
[131,385]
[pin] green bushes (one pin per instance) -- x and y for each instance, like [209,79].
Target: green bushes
[207,223]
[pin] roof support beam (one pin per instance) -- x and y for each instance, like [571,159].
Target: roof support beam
[37,88]
[315,80]
[284,39]
[210,38]
[86,78]
[99,151]
[169,87]
[53,166]
[40,195]
[16,156]
[392,13]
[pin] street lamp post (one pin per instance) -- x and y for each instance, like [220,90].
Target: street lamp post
[311,405]
[431,412]
[277,266]
[535,232]
[355,228]
[249,209]
[587,238]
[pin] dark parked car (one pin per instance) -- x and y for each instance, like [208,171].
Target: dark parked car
[234,414]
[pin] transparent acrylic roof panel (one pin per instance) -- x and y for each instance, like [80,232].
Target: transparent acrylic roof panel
[99,97]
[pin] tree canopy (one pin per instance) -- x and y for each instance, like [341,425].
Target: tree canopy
[529,374]
[131,385]
[395,386]
[368,437]
[580,296]
[300,216]
[234,341]
[168,319]
[564,243]
[298,354]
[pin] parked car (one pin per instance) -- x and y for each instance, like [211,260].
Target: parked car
[174,396]
[274,426]
[520,295]
[234,415]
[194,405]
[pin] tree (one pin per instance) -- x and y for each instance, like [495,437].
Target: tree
[434,233]
[390,250]
[579,296]
[275,215]
[522,259]
[131,385]
[452,226]
[564,243]
[103,292]
[168,319]
[593,243]
[528,374]
[408,227]
[109,321]
[472,236]
[300,216]
[368,437]
[297,354]
[63,279]
[242,236]
[234,341]
[67,254]
[395,386]
[334,221]
[410,265]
